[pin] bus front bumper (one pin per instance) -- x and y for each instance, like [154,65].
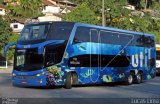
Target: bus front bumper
[36,80]
[39,81]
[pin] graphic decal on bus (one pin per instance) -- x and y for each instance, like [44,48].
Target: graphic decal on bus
[54,76]
[66,53]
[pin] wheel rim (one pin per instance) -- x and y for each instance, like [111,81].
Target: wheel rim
[139,78]
[130,79]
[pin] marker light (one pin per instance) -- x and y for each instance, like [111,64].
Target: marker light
[38,75]
[13,74]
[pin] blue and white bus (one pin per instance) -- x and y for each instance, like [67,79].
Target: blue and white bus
[67,54]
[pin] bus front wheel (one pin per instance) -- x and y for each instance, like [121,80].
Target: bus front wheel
[69,81]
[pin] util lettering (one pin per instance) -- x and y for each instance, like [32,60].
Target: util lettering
[138,60]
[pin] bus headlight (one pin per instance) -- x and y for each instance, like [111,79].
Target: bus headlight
[38,75]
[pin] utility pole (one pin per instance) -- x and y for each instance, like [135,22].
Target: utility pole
[103,14]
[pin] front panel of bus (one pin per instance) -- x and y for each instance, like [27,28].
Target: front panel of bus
[40,46]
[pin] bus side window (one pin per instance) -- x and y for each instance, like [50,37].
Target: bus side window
[82,35]
[52,55]
[50,58]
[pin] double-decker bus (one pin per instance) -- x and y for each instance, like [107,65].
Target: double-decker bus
[158,58]
[67,54]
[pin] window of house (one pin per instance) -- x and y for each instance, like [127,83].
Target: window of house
[15,26]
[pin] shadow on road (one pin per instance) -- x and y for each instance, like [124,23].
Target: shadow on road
[7,81]
[111,84]
[115,84]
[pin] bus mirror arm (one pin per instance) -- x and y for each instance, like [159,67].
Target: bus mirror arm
[7,47]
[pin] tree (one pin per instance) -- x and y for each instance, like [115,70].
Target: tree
[24,9]
[5,33]
[82,14]
[119,17]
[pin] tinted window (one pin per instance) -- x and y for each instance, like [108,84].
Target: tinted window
[86,60]
[28,60]
[94,36]
[34,32]
[82,35]
[115,38]
[60,31]
[115,61]
[89,34]
[86,34]
[54,54]
[143,41]
[96,61]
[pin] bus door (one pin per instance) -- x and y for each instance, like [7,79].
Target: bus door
[94,55]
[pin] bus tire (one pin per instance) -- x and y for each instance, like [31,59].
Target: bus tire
[130,79]
[69,81]
[138,78]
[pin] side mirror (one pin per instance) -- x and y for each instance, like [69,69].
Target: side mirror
[7,47]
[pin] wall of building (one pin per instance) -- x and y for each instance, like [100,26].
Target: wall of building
[49,18]
[51,9]
[17,27]
[2,11]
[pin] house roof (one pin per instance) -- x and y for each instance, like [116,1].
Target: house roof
[57,2]
[22,21]
[66,2]
[1,6]
[49,2]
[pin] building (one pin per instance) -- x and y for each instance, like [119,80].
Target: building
[53,10]
[2,10]
[17,25]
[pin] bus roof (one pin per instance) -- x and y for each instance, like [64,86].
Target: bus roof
[95,26]
[114,29]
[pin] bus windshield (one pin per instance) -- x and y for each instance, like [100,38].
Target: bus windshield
[40,32]
[28,60]
[34,32]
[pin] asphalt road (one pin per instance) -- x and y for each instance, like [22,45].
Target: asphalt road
[147,89]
